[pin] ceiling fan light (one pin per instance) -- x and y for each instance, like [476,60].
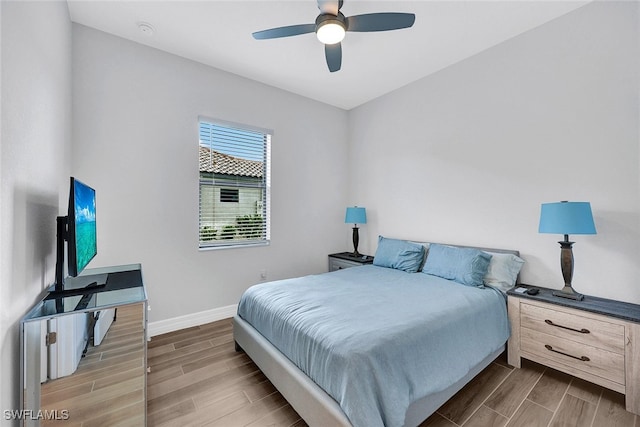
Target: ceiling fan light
[330,31]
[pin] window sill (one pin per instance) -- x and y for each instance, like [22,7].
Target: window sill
[233,246]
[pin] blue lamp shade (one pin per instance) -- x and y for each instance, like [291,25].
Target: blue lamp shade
[356,215]
[566,218]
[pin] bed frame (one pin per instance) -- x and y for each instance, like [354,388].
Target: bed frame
[311,402]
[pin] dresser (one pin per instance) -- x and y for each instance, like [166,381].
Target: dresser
[596,339]
[84,352]
[342,260]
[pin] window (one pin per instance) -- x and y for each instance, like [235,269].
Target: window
[234,168]
[229,195]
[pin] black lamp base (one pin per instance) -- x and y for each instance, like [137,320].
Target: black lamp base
[356,239]
[568,292]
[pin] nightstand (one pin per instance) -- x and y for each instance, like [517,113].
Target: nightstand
[346,259]
[593,339]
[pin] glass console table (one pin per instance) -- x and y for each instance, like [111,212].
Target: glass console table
[84,352]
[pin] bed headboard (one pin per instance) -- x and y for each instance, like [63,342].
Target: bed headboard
[500,251]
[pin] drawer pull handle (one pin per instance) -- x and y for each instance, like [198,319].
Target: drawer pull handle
[582,331]
[583,358]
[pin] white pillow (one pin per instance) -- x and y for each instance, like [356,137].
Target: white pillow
[503,270]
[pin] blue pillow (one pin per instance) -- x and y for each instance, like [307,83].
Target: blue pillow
[398,254]
[463,265]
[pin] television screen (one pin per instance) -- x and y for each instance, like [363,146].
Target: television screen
[82,245]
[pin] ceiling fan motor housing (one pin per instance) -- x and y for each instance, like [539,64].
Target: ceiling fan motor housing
[331,29]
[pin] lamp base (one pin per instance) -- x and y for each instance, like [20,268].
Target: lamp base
[568,292]
[356,240]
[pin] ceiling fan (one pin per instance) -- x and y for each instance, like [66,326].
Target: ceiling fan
[331,25]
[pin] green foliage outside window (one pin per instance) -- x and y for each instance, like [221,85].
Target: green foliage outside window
[228,232]
[246,227]
[250,226]
[207,233]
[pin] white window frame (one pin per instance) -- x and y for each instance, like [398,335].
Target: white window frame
[265,205]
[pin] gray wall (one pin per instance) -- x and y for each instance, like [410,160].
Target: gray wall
[467,155]
[136,141]
[35,134]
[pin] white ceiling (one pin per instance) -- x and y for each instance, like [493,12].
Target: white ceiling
[218,33]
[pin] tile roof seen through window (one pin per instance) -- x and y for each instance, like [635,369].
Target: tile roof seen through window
[216,162]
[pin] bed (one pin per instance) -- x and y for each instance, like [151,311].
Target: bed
[379,345]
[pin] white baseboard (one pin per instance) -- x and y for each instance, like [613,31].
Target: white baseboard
[189,320]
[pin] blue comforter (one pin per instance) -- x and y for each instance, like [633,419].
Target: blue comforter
[376,339]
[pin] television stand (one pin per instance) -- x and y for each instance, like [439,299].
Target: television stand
[58,329]
[88,289]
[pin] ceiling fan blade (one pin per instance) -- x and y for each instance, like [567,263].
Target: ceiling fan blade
[291,30]
[380,21]
[333,52]
[330,6]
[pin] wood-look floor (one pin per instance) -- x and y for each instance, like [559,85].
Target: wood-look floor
[107,389]
[198,379]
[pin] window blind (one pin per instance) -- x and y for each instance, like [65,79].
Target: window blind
[234,169]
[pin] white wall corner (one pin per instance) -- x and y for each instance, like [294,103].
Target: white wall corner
[190,320]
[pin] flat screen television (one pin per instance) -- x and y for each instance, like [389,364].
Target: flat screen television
[78,230]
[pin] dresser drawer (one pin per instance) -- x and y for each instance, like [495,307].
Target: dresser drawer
[576,355]
[339,264]
[573,325]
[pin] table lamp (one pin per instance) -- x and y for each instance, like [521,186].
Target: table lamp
[355,216]
[567,218]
